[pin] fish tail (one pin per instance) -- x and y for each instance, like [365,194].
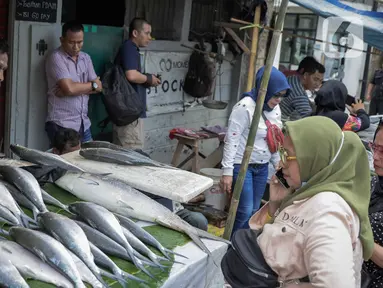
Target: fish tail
[118,278]
[126,275]
[140,265]
[26,220]
[175,253]
[207,235]
[200,244]
[101,280]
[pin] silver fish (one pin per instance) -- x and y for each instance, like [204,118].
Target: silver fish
[26,183]
[42,158]
[103,260]
[8,217]
[107,152]
[126,201]
[86,275]
[48,199]
[145,236]
[10,277]
[109,246]
[140,247]
[8,202]
[71,235]
[101,219]
[18,196]
[49,250]
[30,266]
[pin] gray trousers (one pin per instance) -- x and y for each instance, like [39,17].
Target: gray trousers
[195,219]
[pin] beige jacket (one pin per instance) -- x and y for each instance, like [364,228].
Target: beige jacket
[317,237]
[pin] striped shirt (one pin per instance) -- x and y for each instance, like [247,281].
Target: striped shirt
[297,104]
[68,112]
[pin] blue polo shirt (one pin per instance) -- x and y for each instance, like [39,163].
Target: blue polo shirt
[131,60]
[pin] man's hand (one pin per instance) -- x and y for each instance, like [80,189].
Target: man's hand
[59,92]
[99,84]
[154,81]
[368,97]
[355,107]
[226,183]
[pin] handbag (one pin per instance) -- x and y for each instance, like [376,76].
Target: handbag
[274,136]
[244,266]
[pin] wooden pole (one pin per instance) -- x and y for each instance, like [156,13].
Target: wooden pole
[254,46]
[254,123]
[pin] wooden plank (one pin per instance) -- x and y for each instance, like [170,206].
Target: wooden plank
[237,40]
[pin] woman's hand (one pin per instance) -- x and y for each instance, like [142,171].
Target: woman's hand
[277,193]
[226,183]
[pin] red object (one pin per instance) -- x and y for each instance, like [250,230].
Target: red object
[187,132]
[274,136]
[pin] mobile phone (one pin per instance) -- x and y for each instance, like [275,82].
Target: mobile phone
[281,179]
[350,100]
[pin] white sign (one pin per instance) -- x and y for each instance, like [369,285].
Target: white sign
[172,66]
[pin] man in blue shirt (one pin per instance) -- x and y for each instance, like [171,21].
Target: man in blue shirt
[132,136]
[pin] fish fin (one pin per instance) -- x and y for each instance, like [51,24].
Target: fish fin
[207,235]
[90,182]
[125,204]
[40,254]
[92,224]
[118,278]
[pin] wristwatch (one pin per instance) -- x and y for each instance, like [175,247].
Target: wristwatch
[94,86]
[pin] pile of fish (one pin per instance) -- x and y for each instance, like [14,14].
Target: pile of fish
[68,251]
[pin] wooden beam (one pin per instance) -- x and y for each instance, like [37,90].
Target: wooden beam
[237,40]
[254,46]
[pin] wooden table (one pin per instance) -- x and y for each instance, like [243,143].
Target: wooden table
[192,143]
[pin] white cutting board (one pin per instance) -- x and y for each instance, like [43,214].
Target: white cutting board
[175,184]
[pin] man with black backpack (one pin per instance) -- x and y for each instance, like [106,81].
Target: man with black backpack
[131,135]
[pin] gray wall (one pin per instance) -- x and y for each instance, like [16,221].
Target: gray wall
[26,98]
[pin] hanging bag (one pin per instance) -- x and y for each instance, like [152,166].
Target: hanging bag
[274,136]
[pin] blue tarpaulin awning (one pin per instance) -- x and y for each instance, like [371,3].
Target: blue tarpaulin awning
[372,21]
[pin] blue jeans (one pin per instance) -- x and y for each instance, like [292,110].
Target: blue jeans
[51,128]
[252,193]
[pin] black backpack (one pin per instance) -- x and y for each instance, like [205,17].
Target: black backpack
[199,80]
[122,102]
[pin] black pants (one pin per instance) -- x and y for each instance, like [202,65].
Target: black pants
[376,105]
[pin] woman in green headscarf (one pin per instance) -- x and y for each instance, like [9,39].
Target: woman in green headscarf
[319,227]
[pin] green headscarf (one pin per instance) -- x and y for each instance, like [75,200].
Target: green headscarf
[317,141]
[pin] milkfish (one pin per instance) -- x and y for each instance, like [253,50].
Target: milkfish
[49,250]
[8,204]
[26,183]
[109,246]
[48,199]
[101,219]
[145,236]
[127,201]
[103,260]
[10,276]
[43,158]
[71,235]
[30,266]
